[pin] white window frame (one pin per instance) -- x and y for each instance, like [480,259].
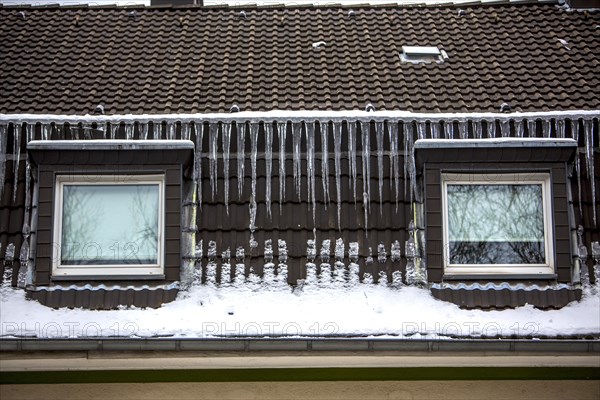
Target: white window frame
[104,270]
[494,179]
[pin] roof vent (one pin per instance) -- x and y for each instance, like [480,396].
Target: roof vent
[22,15]
[369,107]
[352,14]
[234,108]
[505,107]
[243,15]
[422,54]
[99,109]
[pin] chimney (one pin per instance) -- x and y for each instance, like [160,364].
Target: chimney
[176,2]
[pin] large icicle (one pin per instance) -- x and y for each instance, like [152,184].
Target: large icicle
[478,129]
[379,135]
[422,130]
[281,132]
[253,155]
[463,129]
[241,153]
[185,130]
[296,156]
[394,161]
[352,157]
[337,156]
[325,160]
[560,128]
[435,129]
[366,170]
[3,155]
[520,128]
[310,167]
[213,145]
[199,129]
[588,128]
[268,163]
[226,141]
[409,160]
[16,158]
[575,133]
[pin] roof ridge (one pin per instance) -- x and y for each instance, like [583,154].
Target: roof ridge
[292,6]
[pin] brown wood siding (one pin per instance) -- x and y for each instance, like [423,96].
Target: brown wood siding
[434,232]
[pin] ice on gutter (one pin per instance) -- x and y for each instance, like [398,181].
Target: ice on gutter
[292,115]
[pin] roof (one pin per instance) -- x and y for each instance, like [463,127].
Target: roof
[67,60]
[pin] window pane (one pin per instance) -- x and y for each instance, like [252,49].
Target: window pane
[496,224]
[110,224]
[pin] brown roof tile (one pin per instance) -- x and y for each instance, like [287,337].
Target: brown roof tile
[170,60]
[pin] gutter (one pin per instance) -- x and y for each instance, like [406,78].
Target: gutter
[313,346]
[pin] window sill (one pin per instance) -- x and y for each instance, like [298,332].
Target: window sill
[108,277]
[490,277]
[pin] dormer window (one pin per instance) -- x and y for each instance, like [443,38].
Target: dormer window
[108,225]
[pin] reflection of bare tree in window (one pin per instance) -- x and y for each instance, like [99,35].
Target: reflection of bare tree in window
[495,224]
[78,218]
[142,247]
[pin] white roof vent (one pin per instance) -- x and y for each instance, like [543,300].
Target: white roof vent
[422,54]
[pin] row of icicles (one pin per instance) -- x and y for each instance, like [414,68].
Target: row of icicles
[388,135]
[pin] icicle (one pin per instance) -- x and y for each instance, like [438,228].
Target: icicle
[241,154]
[379,135]
[395,252]
[311,250]
[421,130]
[240,267]
[547,127]
[353,268]
[531,127]
[185,130]
[337,156]
[491,128]
[588,127]
[325,161]
[310,167]
[211,267]
[16,157]
[448,130]
[435,129]
[325,250]
[366,170]
[296,156]
[339,272]
[396,279]
[560,128]
[382,279]
[575,134]
[143,127]
[463,129]
[311,274]
[114,130]
[394,161]
[282,269]
[478,129]
[381,253]
[339,249]
[129,131]
[225,267]
[409,160]
[3,156]
[199,129]
[520,128]
[268,163]
[30,132]
[505,128]
[269,267]
[253,155]
[213,145]
[171,131]
[325,267]
[46,129]
[226,141]
[352,157]
[281,131]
